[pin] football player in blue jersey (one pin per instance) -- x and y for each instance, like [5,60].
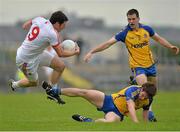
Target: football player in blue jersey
[115,106]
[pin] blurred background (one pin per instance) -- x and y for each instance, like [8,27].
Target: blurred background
[90,23]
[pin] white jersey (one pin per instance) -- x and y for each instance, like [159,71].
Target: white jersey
[40,36]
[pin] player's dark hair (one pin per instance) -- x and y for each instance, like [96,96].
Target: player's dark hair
[150,89]
[133,11]
[58,16]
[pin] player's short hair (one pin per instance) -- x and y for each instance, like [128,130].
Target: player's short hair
[149,88]
[59,17]
[133,11]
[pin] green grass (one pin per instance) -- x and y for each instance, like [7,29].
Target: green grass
[34,112]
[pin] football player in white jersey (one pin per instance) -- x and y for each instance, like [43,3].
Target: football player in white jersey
[31,54]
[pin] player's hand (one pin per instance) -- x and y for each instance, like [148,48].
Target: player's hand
[77,49]
[87,57]
[175,49]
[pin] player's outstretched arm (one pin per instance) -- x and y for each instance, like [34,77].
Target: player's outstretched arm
[99,48]
[165,43]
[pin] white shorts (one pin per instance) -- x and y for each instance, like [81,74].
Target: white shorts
[30,68]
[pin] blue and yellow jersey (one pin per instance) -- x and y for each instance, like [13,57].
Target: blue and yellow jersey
[131,92]
[138,45]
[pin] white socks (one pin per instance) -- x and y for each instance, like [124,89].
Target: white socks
[15,85]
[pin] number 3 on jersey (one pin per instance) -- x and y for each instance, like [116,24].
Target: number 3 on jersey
[34,33]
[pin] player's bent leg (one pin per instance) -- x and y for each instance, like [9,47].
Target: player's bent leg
[23,83]
[58,67]
[109,117]
[54,62]
[141,79]
[27,83]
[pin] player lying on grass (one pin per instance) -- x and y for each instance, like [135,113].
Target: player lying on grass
[115,106]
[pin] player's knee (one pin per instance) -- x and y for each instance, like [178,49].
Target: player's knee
[57,64]
[61,67]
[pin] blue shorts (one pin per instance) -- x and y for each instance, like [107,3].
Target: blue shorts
[150,71]
[108,106]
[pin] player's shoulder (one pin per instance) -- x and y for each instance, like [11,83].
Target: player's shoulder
[48,27]
[132,91]
[132,88]
[39,19]
[121,36]
[53,35]
[125,29]
[52,32]
[147,27]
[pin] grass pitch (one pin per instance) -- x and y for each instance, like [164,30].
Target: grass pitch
[34,112]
